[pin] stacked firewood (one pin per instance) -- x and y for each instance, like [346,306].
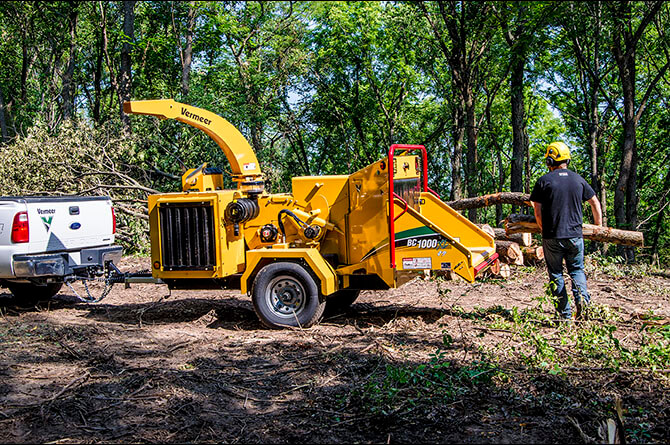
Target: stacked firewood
[516,249]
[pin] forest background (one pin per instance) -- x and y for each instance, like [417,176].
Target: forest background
[326,87]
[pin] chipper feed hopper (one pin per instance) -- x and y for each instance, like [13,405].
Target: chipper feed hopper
[323,243]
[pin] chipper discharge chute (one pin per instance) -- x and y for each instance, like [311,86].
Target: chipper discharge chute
[332,237]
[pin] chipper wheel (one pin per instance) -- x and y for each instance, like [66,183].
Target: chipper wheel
[285,294]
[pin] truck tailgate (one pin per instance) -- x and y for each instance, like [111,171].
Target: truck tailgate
[59,223]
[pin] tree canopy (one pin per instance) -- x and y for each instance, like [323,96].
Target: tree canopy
[325,87]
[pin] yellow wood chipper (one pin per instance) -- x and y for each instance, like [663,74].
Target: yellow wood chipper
[332,237]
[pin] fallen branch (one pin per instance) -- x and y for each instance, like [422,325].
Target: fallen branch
[516,223]
[514,198]
[52,399]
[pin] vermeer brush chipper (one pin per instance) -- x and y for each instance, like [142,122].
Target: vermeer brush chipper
[332,237]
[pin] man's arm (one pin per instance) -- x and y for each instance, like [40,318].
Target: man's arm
[597,211]
[537,208]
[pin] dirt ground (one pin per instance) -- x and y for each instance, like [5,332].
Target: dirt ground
[144,365]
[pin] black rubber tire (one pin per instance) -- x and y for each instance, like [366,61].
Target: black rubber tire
[285,294]
[29,294]
[341,300]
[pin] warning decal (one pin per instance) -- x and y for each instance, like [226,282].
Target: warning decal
[417,263]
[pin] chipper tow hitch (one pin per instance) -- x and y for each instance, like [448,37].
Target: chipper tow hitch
[110,275]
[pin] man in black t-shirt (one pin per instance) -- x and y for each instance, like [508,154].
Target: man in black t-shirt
[557,201]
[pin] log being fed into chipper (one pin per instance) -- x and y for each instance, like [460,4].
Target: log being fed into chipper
[323,243]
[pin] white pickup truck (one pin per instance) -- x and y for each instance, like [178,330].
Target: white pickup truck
[46,241]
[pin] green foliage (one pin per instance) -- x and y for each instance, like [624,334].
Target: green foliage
[82,161]
[326,87]
[402,388]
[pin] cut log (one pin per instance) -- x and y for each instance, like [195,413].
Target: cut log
[514,198]
[522,239]
[533,254]
[509,252]
[499,270]
[526,223]
[505,271]
[487,229]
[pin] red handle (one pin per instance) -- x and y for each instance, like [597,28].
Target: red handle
[392,194]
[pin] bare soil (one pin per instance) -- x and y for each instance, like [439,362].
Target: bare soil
[145,365]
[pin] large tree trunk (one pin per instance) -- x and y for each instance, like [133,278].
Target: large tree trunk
[97,81]
[519,136]
[471,173]
[516,223]
[625,44]
[188,50]
[517,199]
[125,72]
[457,158]
[68,88]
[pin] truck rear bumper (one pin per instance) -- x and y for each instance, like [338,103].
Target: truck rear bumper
[62,264]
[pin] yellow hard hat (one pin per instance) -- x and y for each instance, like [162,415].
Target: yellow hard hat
[558,152]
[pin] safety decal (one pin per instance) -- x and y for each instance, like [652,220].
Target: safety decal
[249,166]
[417,263]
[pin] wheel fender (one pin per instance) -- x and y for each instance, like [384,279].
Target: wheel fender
[309,257]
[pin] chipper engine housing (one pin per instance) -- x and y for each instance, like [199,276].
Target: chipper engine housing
[323,243]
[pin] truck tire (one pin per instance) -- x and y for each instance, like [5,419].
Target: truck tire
[341,300]
[30,294]
[285,294]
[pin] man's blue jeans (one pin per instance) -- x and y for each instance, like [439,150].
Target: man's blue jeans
[572,251]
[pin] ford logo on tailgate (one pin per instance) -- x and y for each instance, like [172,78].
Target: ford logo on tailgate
[75,225]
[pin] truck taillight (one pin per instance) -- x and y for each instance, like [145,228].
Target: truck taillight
[20,232]
[113,221]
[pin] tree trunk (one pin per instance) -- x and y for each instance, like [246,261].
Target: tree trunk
[125,72]
[516,223]
[522,239]
[471,173]
[97,81]
[457,158]
[501,184]
[509,252]
[188,50]
[624,48]
[68,88]
[517,199]
[519,137]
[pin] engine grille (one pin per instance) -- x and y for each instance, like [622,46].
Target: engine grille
[187,236]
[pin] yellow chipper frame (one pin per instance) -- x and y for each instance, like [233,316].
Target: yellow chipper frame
[332,237]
